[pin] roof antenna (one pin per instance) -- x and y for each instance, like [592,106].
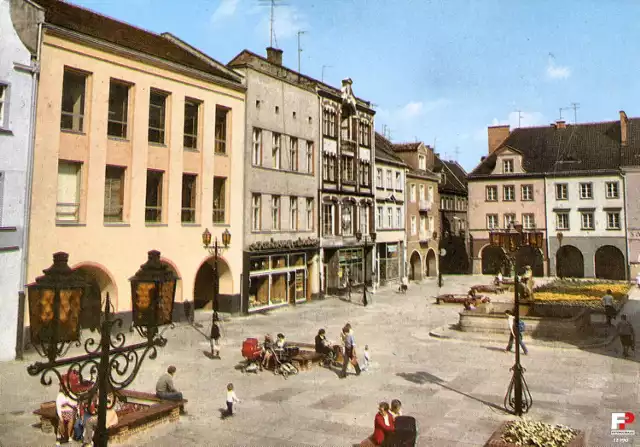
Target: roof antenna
[272,18]
[520,117]
[457,152]
[299,49]
[575,106]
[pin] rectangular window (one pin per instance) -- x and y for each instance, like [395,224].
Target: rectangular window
[293,213]
[507,166]
[562,221]
[114,194]
[347,219]
[508,193]
[587,221]
[256,212]
[189,193]
[365,134]
[118,109]
[421,194]
[310,157]
[365,173]
[73,94]
[562,192]
[219,199]
[222,124]
[612,190]
[422,162]
[364,219]
[293,154]
[380,217]
[528,221]
[399,218]
[191,112]
[492,221]
[68,199]
[586,191]
[389,184]
[379,178]
[399,181]
[491,193]
[613,221]
[347,169]
[3,104]
[414,229]
[329,123]
[412,192]
[432,225]
[526,192]
[256,151]
[328,219]
[332,168]
[325,167]
[389,217]
[157,116]
[430,196]
[509,219]
[309,214]
[275,212]
[153,202]
[275,151]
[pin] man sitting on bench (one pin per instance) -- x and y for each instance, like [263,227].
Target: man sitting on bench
[322,344]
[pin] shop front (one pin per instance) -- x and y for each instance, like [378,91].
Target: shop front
[343,263]
[389,261]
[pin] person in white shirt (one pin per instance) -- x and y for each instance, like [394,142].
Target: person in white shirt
[367,358]
[511,321]
[609,310]
[231,398]
[66,411]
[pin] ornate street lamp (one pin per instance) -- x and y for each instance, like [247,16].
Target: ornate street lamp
[214,250]
[372,237]
[55,302]
[518,398]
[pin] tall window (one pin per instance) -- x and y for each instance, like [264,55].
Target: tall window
[432,225]
[256,212]
[73,93]
[327,219]
[423,224]
[68,200]
[422,162]
[509,219]
[153,203]
[310,216]
[492,221]
[347,169]
[389,184]
[562,191]
[364,219]
[365,134]
[389,217]
[189,194]
[421,196]
[275,212]
[399,217]
[275,151]
[526,192]
[310,157]
[509,193]
[414,228]
[332,168]
[380,216]
[562,221]
[379,183]
[611,189]
[613,221]
[157,116]
[491,193]
[191,111]
[528,221]
[365,173]
[430,196]
[293,213]
[113,194]
[507,166]
[586,191]
[219,199]
[256,151]
[347,219]
[3,104]
[293,153]
[587,221]
[329,123]
[118,109]
[412,192]
[221,130]
[325,167]
[399,181]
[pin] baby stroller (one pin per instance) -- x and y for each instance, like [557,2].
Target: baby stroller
[252,352]
[282,361]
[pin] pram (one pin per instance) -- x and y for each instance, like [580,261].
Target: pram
[282,360]
[252,352]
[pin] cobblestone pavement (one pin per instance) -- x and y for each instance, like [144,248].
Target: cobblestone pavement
[454,389]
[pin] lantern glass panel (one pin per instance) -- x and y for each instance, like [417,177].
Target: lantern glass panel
[143,297]
[40,314]
[69,313]
[165,304]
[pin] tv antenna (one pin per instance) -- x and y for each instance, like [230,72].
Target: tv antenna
[575,106]
[520,117]
[457,152]
[299,48]
[323,67]
[272,32]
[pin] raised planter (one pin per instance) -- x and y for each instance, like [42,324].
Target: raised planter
[496,439]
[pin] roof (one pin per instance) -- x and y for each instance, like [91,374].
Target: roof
[576,148]
[384,151]
[75,18]
[248,58]
[422,174]
[455,177]
[406,147]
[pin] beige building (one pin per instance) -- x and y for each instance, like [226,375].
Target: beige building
[138,146]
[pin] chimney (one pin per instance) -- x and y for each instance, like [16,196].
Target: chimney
[560,124]
[497,135]
[624,128]
[274,55]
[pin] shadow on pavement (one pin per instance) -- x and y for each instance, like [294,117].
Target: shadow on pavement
[422,377]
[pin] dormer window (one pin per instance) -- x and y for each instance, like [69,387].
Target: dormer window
[507,166]
[422,162]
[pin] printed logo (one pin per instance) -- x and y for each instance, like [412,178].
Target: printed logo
[620,422]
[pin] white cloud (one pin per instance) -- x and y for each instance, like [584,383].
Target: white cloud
[225,9]
[557,71]
[412,109]
[287,22]
[521,119]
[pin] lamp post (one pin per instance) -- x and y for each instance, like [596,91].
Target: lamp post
[359,237]
[214,250]
[55,302]
[518,398]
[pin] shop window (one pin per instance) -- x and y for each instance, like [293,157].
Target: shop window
[258,291]
[118,109]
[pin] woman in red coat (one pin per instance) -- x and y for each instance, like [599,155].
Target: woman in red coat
[383,424]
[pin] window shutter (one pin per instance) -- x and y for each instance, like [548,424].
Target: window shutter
[113,193]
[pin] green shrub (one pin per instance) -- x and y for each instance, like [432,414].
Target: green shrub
[531,433]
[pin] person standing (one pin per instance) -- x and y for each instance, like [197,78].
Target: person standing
[367,358]
[609,310]
[215,340]
[349,352]
[165,388]
[627,336]
[231,399]
[511,321]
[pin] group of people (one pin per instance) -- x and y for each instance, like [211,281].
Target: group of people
[348,350]
[269,348]
[384,425]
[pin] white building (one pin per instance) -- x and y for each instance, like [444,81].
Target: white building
[17,94]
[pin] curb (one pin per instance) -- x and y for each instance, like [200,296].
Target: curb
[440,333]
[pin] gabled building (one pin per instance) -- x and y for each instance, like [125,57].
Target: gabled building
[422,222]
[390,221]
[453,216]
[630,168]
[280,183]
[346,186]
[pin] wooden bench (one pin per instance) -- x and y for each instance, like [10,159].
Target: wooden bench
[307,357]
[157,411]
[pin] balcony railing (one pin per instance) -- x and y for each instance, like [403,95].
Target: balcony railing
[425,205]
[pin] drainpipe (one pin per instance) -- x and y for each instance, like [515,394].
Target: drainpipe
[35,70]
[546,227]
[626,226]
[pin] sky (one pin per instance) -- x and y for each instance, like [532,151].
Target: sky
[440,72]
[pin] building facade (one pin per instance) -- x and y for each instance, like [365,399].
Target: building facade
[346,187]
[280,184]
[19,25]
[139,146]
[630,170]
[391,206]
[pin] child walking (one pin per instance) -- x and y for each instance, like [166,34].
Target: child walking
[231,398]
[367,358]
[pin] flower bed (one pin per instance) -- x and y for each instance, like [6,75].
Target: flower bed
[460,299]
[525,432]
[579,293]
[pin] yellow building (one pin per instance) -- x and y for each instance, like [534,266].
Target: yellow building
[139,143]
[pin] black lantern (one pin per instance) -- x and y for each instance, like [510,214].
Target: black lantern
[226,238]
[55,302]
[206,237]
[153,292]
